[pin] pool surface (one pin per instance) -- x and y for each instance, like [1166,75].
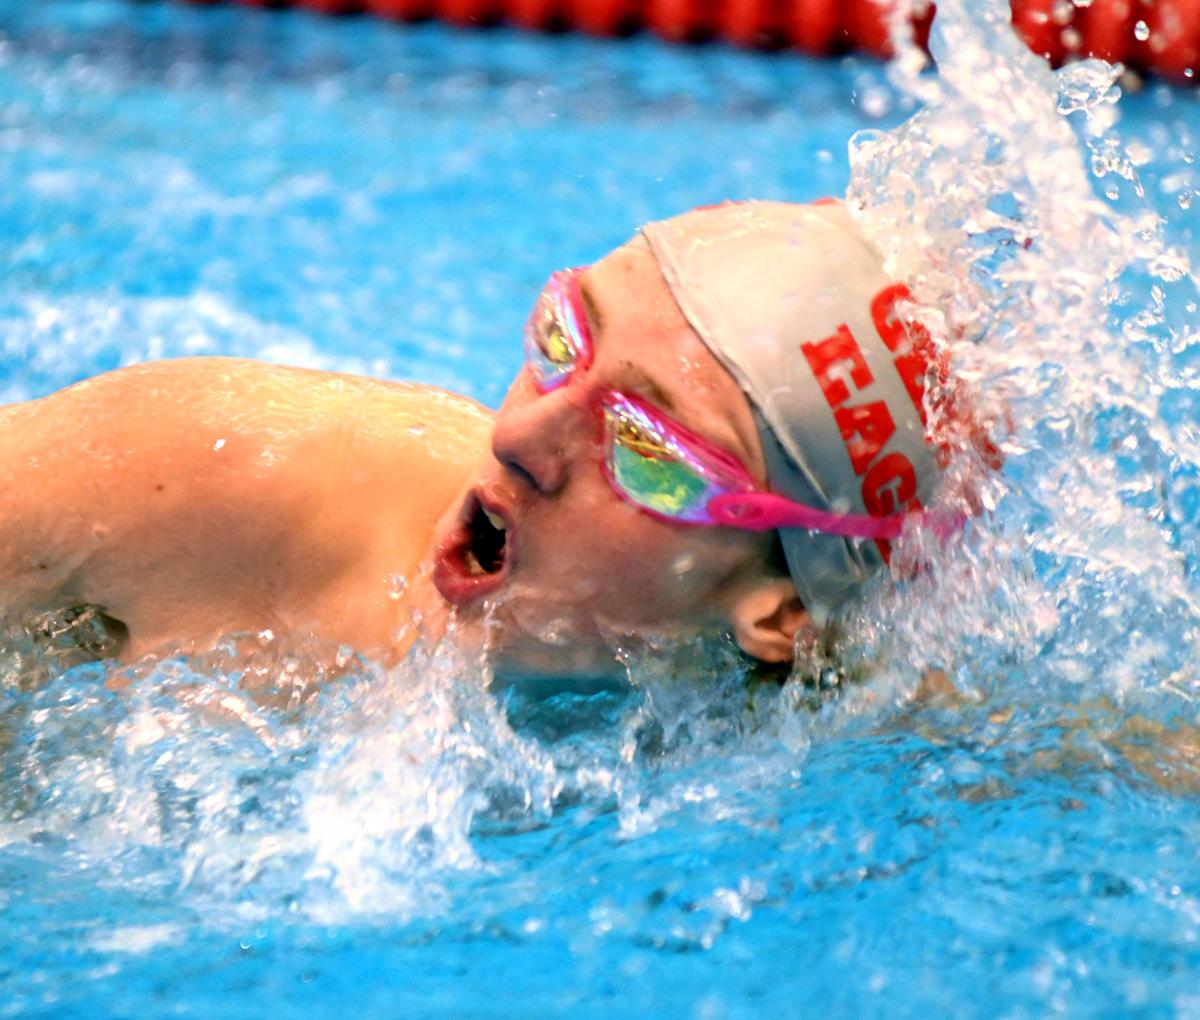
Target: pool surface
[349,194]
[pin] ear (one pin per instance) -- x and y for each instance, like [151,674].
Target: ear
[765,618]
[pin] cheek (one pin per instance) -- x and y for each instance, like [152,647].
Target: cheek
[596,553]
[599,545]
[652,571]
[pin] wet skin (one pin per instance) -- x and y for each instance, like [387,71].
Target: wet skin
[582,570]
[201,497]
[196,498]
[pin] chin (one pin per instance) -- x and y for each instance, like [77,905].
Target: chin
[557,661]
[532,643]
[521,636]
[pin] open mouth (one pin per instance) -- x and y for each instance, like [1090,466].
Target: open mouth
[474,558]
[488,537]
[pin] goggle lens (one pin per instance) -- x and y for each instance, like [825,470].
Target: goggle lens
[650,469]
[556,341]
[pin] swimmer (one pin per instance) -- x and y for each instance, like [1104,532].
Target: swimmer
[718,428]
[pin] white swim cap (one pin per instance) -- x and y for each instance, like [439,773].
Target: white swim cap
[795,304]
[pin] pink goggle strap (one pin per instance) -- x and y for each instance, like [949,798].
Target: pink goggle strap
[764,511]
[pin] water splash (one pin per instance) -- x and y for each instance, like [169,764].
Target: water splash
[367,797]
[1015,209]
[254,785]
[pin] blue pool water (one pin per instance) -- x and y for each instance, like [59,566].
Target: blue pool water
[353,195]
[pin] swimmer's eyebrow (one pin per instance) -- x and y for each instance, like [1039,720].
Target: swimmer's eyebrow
[593,309]
[644,385]
[639,379]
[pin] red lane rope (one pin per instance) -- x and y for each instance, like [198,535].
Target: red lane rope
[1159,36]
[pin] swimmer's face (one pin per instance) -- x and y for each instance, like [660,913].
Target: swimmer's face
[556,563]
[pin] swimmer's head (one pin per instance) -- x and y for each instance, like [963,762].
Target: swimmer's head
[759,331]
[795,305]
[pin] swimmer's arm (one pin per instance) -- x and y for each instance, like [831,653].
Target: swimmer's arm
[133,490]
[195,497]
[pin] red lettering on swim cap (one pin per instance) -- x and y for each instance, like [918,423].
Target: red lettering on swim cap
[913,368]
[866,429]
[915,355]
[890,484]
[883,313]
[907,339]
[838,354]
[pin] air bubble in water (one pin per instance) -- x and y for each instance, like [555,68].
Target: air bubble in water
[1141,31]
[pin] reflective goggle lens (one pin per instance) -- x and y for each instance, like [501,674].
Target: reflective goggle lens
[556,342]
[650,470]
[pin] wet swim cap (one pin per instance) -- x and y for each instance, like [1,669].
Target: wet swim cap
[796,306]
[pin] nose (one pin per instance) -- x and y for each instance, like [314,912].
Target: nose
[536,438]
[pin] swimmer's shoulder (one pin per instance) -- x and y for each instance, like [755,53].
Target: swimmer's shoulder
[233,431]
[215,378]
[277,402]
[218,475]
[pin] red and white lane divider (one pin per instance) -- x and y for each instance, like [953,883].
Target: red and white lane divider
[1160,36]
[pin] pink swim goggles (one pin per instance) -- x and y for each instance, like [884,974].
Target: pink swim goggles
[657,464]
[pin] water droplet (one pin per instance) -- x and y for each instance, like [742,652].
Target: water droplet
[556,631]
[397,586]
[418,429]
[1185,200]
[1141,31]
[683,564]
[1139,153]
[219,444]
[875,102]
